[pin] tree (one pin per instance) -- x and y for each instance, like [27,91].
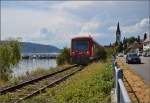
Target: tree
[145,36]
[124,41]
[138,39]
[131,40]
[110,45]
[9,57]
[64,56]
[120,47]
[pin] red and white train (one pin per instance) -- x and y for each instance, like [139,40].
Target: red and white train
[84,50]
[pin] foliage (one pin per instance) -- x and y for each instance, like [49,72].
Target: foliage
[145,36]
[148,50]
[9,56]
[126,50]
[101,53]
[138,39]
[131,40]
[119,47]
[64,56]
[2,83]
[123,45]
[109,52]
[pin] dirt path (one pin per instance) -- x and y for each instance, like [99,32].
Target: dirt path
[139,91]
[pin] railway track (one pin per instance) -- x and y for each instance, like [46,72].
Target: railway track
[33,87]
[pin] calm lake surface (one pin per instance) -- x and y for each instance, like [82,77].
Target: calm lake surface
[33,64]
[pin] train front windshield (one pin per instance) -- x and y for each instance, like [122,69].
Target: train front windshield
[80,45]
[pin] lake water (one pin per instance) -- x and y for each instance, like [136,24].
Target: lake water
[32,64]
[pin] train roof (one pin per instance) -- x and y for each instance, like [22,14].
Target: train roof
[82,37]
[87,37]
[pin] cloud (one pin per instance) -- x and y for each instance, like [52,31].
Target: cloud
[57,22]
[139,27]
[79,5]
[48,27]
[30,24]
[72,5]
[91,26]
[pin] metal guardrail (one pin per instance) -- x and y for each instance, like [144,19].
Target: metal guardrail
[120,90]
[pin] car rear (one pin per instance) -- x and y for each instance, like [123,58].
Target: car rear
[133,58]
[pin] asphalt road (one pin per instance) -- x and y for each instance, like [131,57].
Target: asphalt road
[142,69]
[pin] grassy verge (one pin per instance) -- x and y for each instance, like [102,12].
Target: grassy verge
[92,85]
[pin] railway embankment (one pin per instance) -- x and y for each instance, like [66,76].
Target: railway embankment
[92,84]
[28,87]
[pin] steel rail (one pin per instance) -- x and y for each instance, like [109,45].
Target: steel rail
[12,88]
[52,84]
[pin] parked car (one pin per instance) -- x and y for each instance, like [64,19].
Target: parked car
[139,53]
[146,54]
[133,58]
[120,55]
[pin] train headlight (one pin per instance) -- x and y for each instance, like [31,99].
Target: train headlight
[73,53]
[87,52]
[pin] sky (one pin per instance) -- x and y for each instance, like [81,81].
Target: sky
[56,22]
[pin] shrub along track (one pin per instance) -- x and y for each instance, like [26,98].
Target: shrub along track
[33,87]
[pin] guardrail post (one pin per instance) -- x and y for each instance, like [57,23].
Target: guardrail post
[116,79]
[113,65]
[114,72]
[119,76]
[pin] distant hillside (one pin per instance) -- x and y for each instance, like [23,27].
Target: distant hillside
[27,47]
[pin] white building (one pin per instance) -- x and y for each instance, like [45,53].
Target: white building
[146,44]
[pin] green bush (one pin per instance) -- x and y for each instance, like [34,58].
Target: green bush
[9,56]
[109,52]
[64,56]
[101,53]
